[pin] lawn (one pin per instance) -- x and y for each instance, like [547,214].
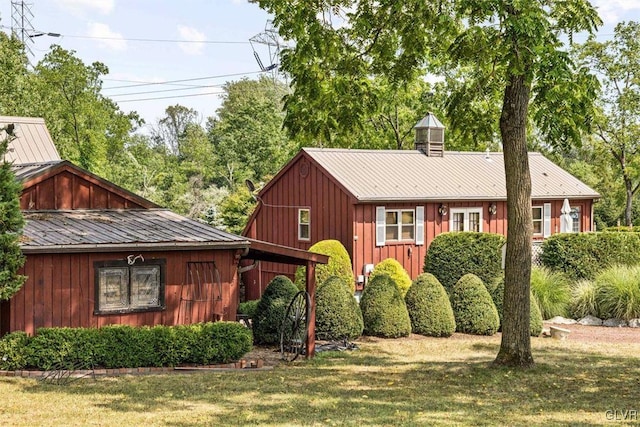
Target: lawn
[415,381]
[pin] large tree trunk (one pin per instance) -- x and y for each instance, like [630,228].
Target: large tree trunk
[515,348]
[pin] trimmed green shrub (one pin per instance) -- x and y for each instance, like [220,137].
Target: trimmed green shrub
[13,351]
[584,299]
[383,309]
[429,307]
[339,265]
[551,291]
[473,307]
[338,315]
[535,316]
[220,342]
[77,348]
[248,308]
[584,255]
[271,310]
[452,255]
[618,292]
[396,271]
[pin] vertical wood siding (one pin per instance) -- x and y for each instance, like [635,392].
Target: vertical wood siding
[60,292]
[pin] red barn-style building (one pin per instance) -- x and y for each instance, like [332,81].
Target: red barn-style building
[393,203]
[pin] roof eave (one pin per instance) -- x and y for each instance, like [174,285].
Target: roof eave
[122,247]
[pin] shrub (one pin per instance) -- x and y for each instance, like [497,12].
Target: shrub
[618,292]
[429,307]
[583,299]
[221,342]
[248,308]
[271,310]
[63,348]
[383,309]
[339,265]
[473,307]
[584,255]
[338,314]
[13,351]
[396,271]
[551,291]
[452,255]
[535,316]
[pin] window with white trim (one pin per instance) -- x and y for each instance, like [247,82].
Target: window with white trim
[123,288]
[399,225]
[576,217]
[465,219]
[304,224]
[537,216]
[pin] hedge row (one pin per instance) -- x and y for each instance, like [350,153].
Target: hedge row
[584,255]
[121,346]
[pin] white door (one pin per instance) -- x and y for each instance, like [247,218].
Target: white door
[465,219]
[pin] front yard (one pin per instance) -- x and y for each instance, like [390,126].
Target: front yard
[591,378]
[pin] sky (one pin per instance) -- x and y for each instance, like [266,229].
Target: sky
[197,45]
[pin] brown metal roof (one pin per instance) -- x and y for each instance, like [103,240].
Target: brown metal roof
[408,175]
[33,143]
[128,229]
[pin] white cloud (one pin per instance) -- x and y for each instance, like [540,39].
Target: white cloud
[614,11]
[105,37]
[78,7]
[193,39]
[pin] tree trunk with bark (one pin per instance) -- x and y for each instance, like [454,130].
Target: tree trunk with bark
[515,348]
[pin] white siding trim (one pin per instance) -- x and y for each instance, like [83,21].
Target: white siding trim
[546,220]
[380,225]
[419,220]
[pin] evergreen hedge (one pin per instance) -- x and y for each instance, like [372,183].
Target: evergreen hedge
[383,309]
[535,316]
[271,310]
[452,255]
[396,271]
[429,307]
[338,315]
[339,265]
[473,307]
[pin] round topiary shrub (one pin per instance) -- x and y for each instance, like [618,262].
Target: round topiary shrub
[473,307]
[338,314]
[452,255]
[271,309]
[339,265]
[396,271]
[429,307]
[383,309]
[535,316]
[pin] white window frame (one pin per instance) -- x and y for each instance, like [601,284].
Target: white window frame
[576,219]
[301,225]
[466,212]
[400,224]
[541,220]
[381,225]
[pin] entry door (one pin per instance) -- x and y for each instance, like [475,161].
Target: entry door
[465,219]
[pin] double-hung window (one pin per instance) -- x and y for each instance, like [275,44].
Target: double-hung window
[575,219]
[304,224]
[465,219]
[399,225]
[121,287]
[537,215]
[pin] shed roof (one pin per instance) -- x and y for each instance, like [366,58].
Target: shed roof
[410,175]
[126,229]
[33,143]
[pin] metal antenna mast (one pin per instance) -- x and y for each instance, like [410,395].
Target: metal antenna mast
[21,26]
[272,40]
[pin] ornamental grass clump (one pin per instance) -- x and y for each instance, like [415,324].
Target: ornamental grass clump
[551,291]
[338,314]
[339,265]
[618,292]
[429,307]
[584,300]
[396,271]
[473,307]
[271,310]
[383,309]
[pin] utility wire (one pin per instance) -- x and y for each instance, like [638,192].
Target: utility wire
[165,90]
[181,80]
[169,97]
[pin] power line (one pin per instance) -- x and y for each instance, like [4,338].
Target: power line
[181,80]
[169,97]
[166,90]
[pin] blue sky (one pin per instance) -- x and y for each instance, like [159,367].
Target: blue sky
[217,48]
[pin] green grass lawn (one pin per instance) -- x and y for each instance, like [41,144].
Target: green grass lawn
[418,381]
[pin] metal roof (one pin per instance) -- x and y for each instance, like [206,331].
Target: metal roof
[33,143]
[24,171]
[408,175]
[429,121]
[128,229]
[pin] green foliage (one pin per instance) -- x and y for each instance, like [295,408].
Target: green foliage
[452,255]
[429,307]
[618,292]
[584,300]
[235,209]
[339,265]
[392,268]
[473,308]
[338,315]
[248,308]
[383,309]
[551,291]
[16,98]
[535,316]
[584,255]
[271,310]
[13,351]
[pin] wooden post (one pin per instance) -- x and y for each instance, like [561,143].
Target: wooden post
[311,290]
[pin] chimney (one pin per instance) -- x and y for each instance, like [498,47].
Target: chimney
[430,136]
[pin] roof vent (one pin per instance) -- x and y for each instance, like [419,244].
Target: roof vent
[430,136]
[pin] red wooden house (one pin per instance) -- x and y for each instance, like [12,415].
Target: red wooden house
[97,254]
[392,203]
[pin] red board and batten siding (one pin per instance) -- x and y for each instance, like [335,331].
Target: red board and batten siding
[60,292]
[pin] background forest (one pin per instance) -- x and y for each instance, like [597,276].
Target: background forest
[197,165]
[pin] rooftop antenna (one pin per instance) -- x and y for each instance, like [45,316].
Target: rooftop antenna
[271,39]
